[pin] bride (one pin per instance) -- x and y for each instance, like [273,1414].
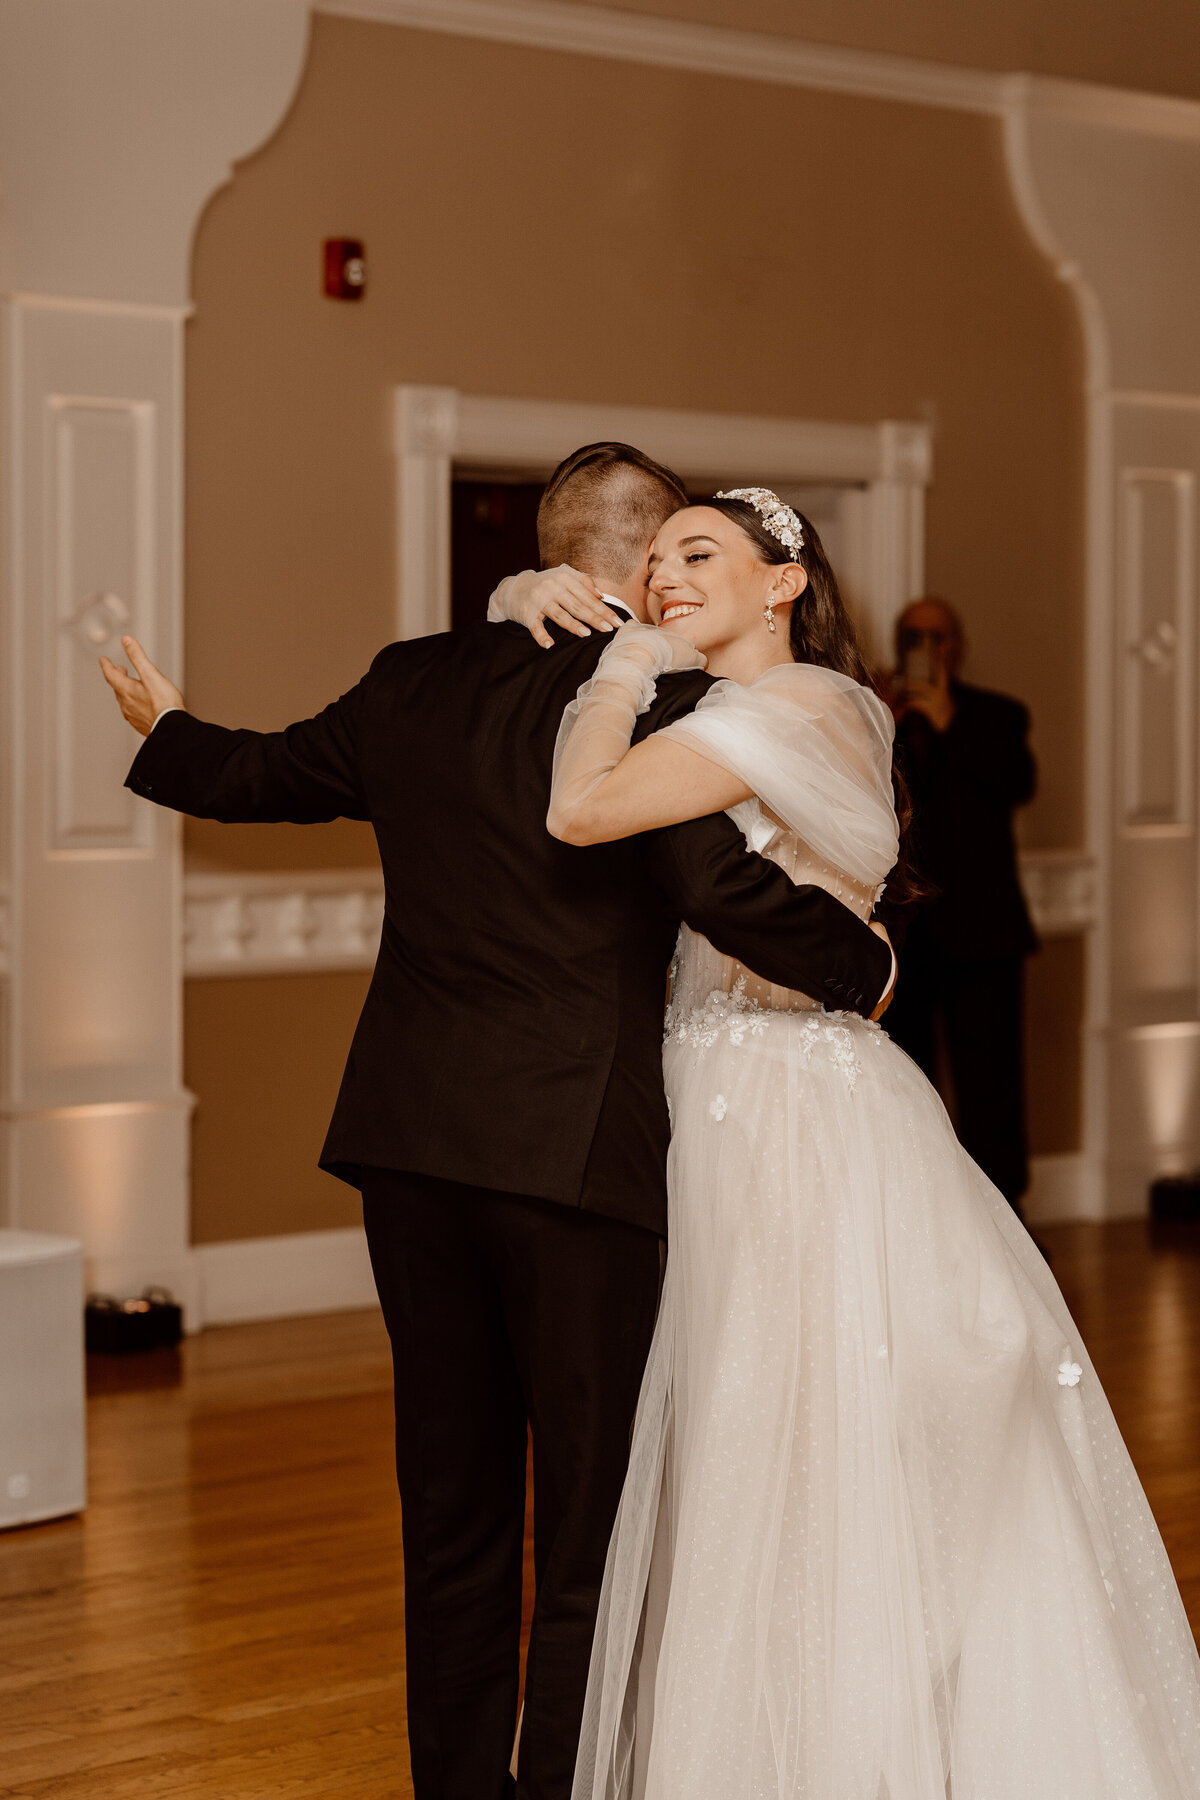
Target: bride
[880,1538]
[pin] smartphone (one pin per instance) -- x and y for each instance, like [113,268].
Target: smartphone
[920,662]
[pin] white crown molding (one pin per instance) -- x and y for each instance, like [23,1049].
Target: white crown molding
[698,49]
[1115,109]
[306,921]
[781,61]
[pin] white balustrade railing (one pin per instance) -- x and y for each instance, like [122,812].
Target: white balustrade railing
[311,920]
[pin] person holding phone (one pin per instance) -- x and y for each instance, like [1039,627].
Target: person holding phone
[965,754]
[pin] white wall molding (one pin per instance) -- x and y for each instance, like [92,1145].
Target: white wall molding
[1108,186]
[301,921]
[1060,887]
[1112,108]
[511,433]
[778,60]
[883,468]
[1156,555]
[1147,398]
[302,1273]
[304,921]
[122,309]
[298,1274]
[117,122]
[678,44]
[291,1276]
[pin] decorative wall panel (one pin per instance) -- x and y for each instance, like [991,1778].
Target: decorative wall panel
[1156,532]
[100,514]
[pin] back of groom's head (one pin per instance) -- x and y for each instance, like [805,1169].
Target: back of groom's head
[602,507]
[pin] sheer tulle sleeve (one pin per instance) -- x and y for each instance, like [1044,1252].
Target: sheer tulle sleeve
[598,725]
[501,595]
[816,747]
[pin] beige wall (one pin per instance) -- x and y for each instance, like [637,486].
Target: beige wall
[264,1059]
[1054,993]
[541,225]
[1153,45]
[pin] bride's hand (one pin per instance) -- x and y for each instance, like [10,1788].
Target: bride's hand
[564,594]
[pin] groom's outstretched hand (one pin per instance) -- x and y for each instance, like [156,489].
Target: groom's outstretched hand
[145,693]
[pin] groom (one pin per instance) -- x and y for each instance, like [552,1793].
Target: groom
[502,1108]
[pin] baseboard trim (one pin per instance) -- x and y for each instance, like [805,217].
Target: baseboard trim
[1060,1189]
[306,1272]
[285,1277]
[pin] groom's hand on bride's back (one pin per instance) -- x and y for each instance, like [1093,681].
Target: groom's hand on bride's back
[143,695]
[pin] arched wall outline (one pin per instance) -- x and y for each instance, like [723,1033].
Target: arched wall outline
[1109,190]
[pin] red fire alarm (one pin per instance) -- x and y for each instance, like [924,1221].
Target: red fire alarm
[345,269]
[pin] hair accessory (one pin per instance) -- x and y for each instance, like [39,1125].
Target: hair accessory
[776,515]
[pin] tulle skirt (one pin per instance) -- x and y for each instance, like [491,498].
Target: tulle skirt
[880,1538]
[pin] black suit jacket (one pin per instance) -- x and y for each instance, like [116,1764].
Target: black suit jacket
[966,783]
[511,1037]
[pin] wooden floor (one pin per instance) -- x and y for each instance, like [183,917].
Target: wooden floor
[225,1619]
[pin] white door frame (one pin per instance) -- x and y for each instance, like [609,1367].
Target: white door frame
[884,469]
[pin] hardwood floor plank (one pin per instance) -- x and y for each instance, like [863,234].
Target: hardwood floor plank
[225,1621]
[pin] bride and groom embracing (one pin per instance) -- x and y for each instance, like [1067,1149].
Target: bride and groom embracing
[835,1509]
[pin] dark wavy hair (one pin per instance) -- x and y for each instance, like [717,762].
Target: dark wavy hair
[822,632]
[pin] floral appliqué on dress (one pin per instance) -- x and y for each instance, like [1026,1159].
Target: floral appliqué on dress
[733,1015]
[730,1015]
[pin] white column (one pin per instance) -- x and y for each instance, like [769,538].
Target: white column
[886,538]
[117,121]
[95,1116]
[426,428]
[1109,187]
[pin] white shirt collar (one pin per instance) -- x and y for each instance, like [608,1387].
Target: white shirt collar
[619,606]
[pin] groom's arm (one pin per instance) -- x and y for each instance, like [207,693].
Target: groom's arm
[798,937]
[303,775]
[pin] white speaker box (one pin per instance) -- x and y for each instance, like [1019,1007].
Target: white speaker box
[42,1450]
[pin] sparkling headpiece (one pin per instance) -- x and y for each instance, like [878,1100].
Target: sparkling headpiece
[776,515]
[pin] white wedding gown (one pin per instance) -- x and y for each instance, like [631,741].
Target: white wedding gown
[880,1538]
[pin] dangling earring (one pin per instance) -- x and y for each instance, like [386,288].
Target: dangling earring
[769,614]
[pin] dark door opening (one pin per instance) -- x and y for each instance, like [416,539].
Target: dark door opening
[493,534]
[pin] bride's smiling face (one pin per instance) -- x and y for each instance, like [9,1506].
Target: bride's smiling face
[709,583]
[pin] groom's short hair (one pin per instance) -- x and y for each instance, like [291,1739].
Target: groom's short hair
[602,506]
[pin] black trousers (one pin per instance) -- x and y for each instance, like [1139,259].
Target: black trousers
[504,1312]
[980,1006]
